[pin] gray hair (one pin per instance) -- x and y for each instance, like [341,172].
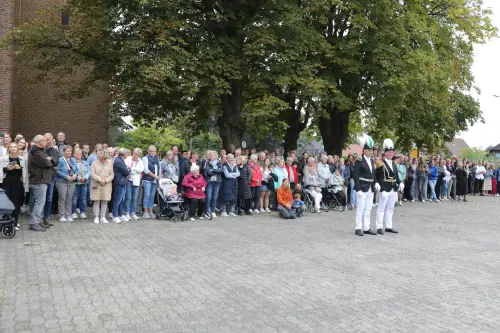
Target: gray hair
[194,167]
[123,151]
[253,157]
[229,156]
[138,150]
[38,138]
[311,159]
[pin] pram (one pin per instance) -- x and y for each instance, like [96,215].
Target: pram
[171,210]
[7,223]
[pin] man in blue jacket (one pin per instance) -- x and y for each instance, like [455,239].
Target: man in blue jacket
[120,184]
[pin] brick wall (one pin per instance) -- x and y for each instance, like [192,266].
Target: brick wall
[6,24]
[37,109]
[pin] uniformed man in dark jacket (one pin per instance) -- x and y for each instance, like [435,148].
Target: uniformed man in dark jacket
[365,186]
[388,178]
[41,168]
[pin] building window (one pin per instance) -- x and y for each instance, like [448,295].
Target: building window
[64,18]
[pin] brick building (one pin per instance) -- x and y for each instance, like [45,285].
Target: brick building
[31,110]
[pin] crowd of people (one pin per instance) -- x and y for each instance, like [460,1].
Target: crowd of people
[121,184]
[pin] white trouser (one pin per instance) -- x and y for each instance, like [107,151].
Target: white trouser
[317,198]
[386,203]
[364,203]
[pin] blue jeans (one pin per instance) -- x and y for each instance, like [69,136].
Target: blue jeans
[212,191]
[48,200]
[444,189]
[130,203]
[39,194]
[79,194]
[148,199]
[88,192]
[353,193]
[118,198]
[432,183]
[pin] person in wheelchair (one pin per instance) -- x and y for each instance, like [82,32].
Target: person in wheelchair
[298,205]
[337,186]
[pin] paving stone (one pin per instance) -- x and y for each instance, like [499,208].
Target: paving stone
[259,274]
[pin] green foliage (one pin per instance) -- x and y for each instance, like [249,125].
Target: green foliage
[390,68]
[205,141]
[473,154]
[145,135]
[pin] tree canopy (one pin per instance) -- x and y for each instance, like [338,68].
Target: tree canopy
[260,68]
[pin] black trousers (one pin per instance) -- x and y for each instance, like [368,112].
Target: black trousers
[14,191]
[196,207]
[255,196]
[479,186]
[407,191]
[471,185]
[244,204]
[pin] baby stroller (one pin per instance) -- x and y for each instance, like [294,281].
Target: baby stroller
[171,209]
[336,199]
[7,223]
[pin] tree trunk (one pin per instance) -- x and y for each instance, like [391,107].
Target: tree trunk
[292,117]
[231,126]
[334,131]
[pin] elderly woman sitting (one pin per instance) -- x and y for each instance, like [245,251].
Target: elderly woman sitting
[194,189]
[312,184]
[285,200]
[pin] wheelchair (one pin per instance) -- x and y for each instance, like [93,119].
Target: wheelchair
[309,203]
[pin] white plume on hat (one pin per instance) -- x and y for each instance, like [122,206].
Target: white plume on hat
[365,141]
[388,144]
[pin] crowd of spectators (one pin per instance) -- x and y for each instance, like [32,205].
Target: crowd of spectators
[121,184]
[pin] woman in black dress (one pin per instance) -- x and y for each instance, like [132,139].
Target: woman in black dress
[462,181]
[14,177]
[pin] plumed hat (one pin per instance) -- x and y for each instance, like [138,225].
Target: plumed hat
[388,145]
[366,141]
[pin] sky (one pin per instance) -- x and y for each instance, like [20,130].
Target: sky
[486,71]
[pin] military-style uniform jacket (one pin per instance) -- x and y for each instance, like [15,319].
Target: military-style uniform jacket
[364,179]
[388,177]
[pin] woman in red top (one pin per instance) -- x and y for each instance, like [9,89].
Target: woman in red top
[194,189]
[293,176]
[255,182]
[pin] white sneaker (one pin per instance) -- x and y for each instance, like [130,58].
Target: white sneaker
[18,225]
[201,218]
[224,214]
[69,219]
[103,220]
[262,210]
[110,215]
[78,211]
[268,210]
[413,201]
[146,216]
[62,219]
[123,218]
[74,216]
[17,229]
[214,215]
[191,219]
[96,220]
[256,211]
[83,216]
[423,200]
[128,217]
[232,214]
[135,217]
[117,220]
[401,203]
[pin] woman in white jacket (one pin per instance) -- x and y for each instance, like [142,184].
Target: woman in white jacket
[136,166]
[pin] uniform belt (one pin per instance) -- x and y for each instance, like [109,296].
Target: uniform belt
[366,180]
[390,180]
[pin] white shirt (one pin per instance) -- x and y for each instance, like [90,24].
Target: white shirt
[3,151]
[369,161]
[480,169]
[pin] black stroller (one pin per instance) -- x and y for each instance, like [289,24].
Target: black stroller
[7,223]
[172,210]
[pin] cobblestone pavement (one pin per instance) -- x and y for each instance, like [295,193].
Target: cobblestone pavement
[256,274]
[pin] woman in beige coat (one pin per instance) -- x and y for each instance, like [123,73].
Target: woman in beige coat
[101,185]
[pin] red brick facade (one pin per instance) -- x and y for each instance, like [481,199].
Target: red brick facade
[36,110]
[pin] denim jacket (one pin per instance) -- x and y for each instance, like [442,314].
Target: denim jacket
[62,171]
[84,173]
